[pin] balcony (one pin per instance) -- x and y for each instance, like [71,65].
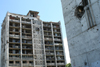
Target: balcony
[48,53]
[50,63]
[47,31]
[59,48]
[56,31]
[27,52]
[27,64]
[25,47]
[57,39]
[13,35]
[46,25]
[14,47]
[48,44]
[59,53]
[26,21]
[56,35]
[26,42]
[48,38]
[56,26]
[50,58]
[27,58]
[26,27]
[60,59]
[14,26]
[48,48]
[58,44]
[15,41]
[14,19]
[27,37]
[14,64]
[14,58]
[61,63]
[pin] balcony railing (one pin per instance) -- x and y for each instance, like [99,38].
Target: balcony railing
[59,53]
[49,44]
[13,53]
[57,44]
[27,42]
[57,39]
[60,59]
[14,31]
[27,64]
[10,64]
[49,48]
[26,36]
[14,46]
[48,58]
[27,22]
[56,27]
[12,35]
[13,58]
[48,38]
[50,63]
[27,58]
[59,48]
[48,30]
[47,34]
[45,25]
[57,35]
[27,47]
[15,41]
[14,20]
[60,63]
[49,53]
[26,27]
[26,53]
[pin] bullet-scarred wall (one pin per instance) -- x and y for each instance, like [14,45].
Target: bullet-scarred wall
[83,32]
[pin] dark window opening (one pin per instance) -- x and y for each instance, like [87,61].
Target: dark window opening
[24,62]
[11,62]
[17,61]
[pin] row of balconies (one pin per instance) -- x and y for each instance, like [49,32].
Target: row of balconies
[13,35]
[17,19]
[18,41]
[54,63]
[18,64]
[48,25]
[28,27]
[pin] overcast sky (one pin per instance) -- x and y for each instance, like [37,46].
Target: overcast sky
[49,10]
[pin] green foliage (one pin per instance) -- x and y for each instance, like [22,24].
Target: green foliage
[68,65]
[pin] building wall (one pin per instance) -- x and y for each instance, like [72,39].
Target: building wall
[28,41]
[83,41]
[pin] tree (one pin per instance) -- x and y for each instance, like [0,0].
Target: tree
[68,65]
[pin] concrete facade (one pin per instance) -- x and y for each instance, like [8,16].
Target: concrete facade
[27,41]
[83,31]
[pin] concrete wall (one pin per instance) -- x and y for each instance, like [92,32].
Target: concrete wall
[83,41]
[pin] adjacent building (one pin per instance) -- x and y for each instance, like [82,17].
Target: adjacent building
[82,22]
[27,41]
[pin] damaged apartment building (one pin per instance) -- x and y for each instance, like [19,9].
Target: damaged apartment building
[82,22]
[27,41]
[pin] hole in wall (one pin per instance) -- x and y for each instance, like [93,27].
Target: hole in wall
[79,11]
[97,29]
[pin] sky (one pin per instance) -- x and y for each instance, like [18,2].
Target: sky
[49,10]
